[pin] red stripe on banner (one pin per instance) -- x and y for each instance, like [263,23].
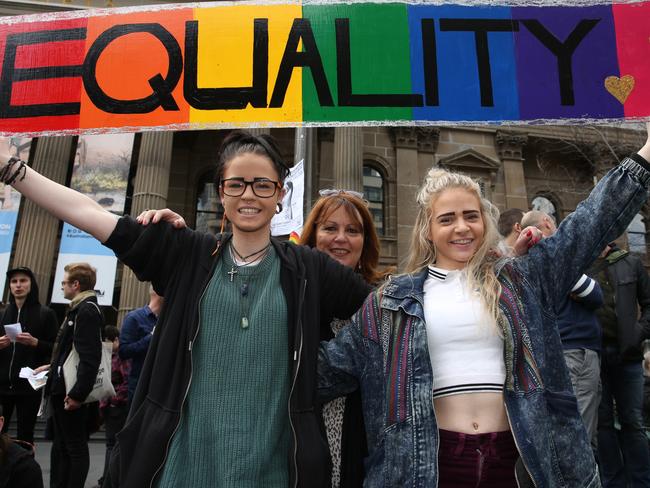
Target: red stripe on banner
[50,91]
[61,53]
[633,44]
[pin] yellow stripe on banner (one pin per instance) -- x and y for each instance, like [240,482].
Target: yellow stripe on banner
[225,60]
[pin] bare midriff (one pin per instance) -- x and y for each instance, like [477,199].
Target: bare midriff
[472,413]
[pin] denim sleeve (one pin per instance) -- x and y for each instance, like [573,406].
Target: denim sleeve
[558,261]
[341,361]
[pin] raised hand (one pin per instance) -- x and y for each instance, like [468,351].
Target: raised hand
[527,239]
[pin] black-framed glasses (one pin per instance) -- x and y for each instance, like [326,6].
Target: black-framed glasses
[262,187]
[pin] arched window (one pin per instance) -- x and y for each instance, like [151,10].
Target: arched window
[636,235]
[543,204]
[209,211]
[373,191]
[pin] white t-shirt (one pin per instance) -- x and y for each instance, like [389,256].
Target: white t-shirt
[466,353]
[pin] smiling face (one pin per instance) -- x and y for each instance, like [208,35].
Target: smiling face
[457,227]
[249,213]
[340,236]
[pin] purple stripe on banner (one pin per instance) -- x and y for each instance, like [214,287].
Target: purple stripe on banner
[563,57]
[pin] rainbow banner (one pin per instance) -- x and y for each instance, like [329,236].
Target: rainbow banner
[251,64]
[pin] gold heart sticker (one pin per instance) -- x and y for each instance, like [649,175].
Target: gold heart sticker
[620,88]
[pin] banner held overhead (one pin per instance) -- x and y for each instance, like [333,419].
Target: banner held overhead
[249,64]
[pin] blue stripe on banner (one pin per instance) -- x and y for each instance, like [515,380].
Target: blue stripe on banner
[445,53]
[75,241]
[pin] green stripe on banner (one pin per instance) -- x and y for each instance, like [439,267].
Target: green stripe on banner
[379,59]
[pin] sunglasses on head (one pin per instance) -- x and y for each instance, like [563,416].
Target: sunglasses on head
[330,192]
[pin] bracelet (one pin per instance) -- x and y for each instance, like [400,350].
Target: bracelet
[4,172]
[11,179]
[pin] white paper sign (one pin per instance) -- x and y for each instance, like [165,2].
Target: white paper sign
[291,217]
[12,330]
[36,380]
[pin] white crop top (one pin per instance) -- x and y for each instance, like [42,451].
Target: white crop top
[466,355]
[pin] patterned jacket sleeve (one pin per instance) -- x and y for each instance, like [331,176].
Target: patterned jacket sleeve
[342,361]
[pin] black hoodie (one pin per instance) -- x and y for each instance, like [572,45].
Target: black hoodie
[18,468]
[41,322]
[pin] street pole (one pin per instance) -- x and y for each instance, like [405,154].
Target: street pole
[304,144]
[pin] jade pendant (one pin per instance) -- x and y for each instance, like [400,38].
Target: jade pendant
[244,322]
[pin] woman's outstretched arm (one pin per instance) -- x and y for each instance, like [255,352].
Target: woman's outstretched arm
[64,203]
[557,262]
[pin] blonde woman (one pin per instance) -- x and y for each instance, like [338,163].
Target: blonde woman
[459,360]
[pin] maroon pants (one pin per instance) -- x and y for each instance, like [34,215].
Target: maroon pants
[477,460]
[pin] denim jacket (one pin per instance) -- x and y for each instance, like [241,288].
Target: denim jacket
[384,353]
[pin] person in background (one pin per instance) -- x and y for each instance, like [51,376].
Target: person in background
[509,228]
[625,321]
[135,336]
[114,410]
[32,348]
[18,468]
[82,328]
[341,226]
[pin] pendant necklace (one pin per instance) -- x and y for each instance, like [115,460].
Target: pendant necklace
[238,257]
[244,288]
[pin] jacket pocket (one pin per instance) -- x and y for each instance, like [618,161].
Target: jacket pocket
[398,448]
[141,446]
[572,450]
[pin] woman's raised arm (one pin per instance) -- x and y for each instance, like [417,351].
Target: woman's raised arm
[62,202]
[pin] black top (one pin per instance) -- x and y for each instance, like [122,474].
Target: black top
[83,325]
[179,263]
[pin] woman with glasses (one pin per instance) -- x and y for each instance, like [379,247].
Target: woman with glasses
[227,394]
[341,225]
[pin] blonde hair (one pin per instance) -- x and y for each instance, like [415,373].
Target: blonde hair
[480,267]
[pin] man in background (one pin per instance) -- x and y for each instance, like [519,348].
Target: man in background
[135,336]
[509,228]
[625,320]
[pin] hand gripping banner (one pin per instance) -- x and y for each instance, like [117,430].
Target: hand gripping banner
[247,64]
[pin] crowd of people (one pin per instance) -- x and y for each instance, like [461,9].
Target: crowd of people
[507,353]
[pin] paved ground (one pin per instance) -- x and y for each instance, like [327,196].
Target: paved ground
[97,450]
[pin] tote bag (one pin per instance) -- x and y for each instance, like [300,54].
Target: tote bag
[103,387]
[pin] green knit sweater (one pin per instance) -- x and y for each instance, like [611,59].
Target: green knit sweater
[234,429]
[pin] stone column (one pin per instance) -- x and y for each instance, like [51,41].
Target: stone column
[348,158]
[510,146]
[408,182]
[36,246]
[149,191]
